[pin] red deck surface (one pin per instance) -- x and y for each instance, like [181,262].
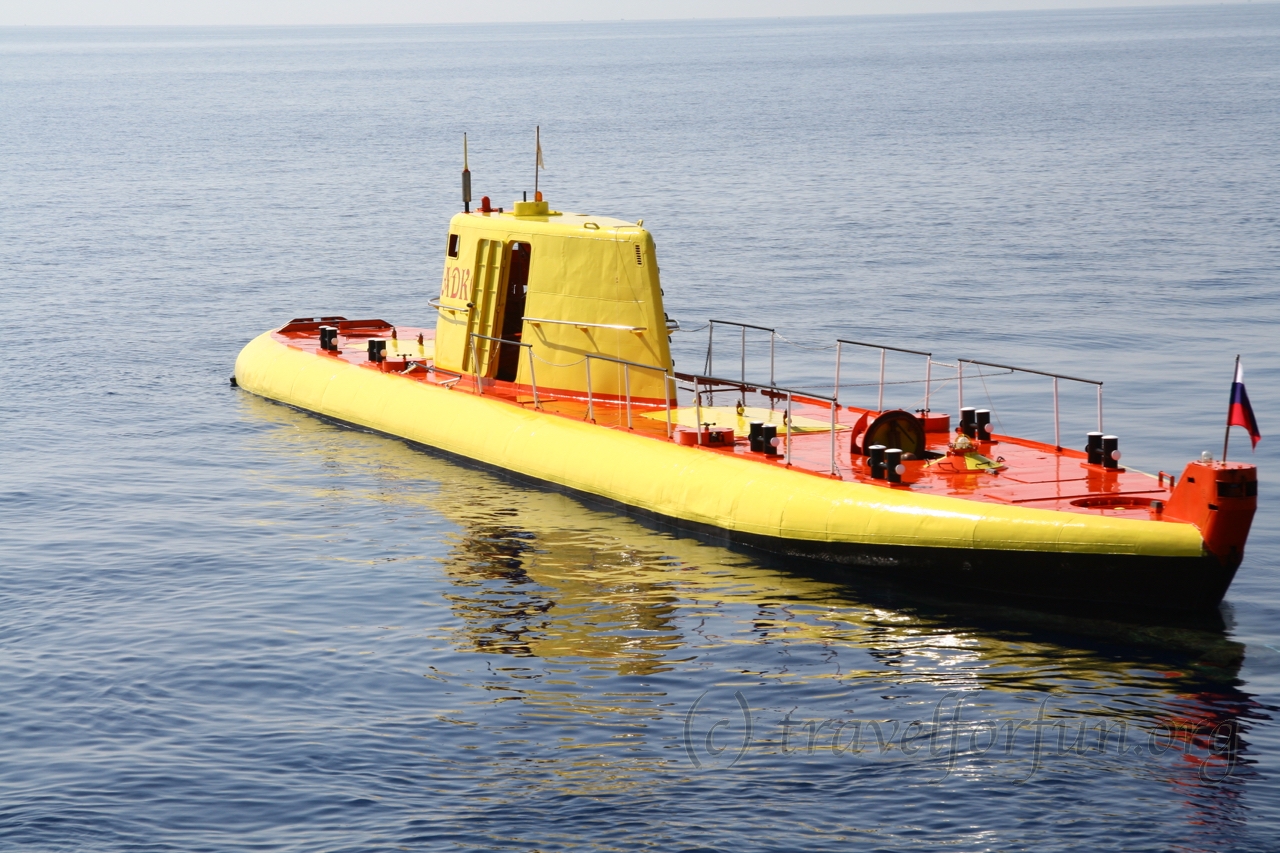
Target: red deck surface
[1036,475]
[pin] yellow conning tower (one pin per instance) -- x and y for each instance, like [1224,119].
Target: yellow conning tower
[565,286]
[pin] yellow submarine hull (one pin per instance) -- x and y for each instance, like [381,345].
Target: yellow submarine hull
[769,507]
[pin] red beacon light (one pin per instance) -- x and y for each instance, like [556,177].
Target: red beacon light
[484,204]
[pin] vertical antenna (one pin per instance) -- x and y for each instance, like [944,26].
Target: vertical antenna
[466,178]
[537,161]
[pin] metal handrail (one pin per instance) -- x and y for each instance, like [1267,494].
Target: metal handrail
[434,302]
[1057,428]
[581,325]
[752,386]
[746,387]
[626,380]
[1029,370]
[928,368]
[475,362]
[773,334]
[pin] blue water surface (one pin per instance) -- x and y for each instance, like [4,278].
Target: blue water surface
[228,625]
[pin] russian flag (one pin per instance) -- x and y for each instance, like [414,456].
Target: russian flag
[1241,413]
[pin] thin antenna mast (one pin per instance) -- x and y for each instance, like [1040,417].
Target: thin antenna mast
[537,160]
[466,178]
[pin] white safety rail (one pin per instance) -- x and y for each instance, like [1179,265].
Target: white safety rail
[928,368]
[475,362]
[626,381]
[1057,432]
[627,367]
[715,384]
[710,384]
[742,328]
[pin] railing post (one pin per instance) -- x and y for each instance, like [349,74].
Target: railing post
[772,335]
[834,407]
[928,381]
[665,389]
[789,428]
[475,363]
[711,336]
[880,401]
[697,402]
[591,411]
[626,381]
[744,355]
[959,385]
[1099,407]
[837,391]
[533,381]
[1057,437]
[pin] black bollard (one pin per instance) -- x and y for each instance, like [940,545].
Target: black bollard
[893,466]
[1110,451]
[1093,447]
[769,434]
[982,428]
[875,453]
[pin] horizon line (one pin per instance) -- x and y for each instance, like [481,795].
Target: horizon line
[1014,7]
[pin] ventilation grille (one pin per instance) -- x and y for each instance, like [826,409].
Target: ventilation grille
[639,257]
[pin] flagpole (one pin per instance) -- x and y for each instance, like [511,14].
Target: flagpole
[1226,438]
[537,148]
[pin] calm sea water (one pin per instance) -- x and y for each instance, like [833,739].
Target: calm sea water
[227,625]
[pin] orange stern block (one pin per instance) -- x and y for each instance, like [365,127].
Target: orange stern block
[1220,499]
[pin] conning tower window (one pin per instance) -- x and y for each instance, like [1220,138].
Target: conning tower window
[453,245]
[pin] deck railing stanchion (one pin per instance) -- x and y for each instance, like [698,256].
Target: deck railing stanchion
[928,381]
[711,335]
[744,354]
[880,400]
[666,389]
[1099,407]
[591,411]
[626,382]
[834,407]
[1057,436]
[788,427]
[475,364]
[697,402]
[959,386]
[533,380]
[837,390]
[772,335]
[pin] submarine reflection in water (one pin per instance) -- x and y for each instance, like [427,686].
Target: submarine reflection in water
[574,599]
[537,573]
[559,595]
